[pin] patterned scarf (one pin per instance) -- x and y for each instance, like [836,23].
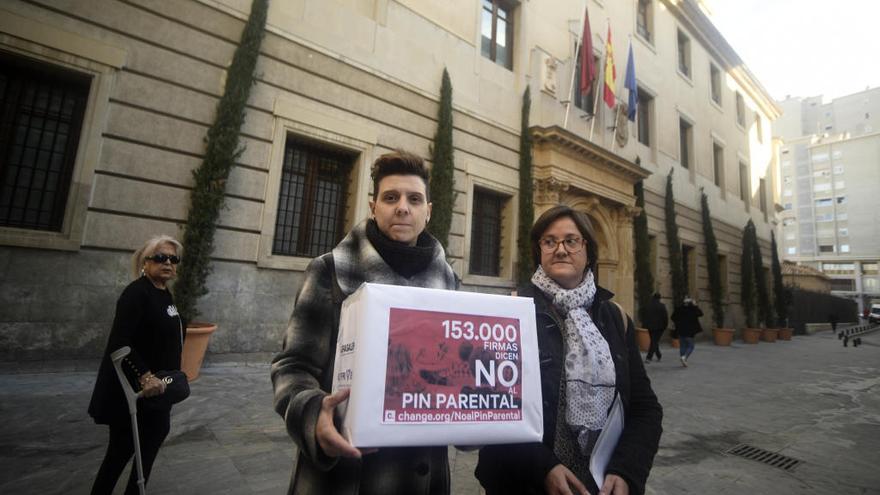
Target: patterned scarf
[589,370]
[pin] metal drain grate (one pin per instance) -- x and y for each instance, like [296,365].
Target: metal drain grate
[764,456]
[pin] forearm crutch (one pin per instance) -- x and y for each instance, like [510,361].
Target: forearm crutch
[131,398]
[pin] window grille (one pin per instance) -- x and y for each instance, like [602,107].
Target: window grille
[41,114]
[311,200]
[486,234]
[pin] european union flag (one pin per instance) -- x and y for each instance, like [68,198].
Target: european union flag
[631,85]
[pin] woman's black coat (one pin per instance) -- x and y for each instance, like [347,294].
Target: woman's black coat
[521,468]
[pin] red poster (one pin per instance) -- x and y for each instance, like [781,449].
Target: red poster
[452,368]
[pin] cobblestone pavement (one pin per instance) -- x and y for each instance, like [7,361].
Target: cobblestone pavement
[810,399]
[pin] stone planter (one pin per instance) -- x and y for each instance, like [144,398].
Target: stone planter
[769,334]
[643,338]
[785,333]
[751,335]
[723,336]
[197,337]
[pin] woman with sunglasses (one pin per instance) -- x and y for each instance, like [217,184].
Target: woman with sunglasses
[589,363]
[147,321]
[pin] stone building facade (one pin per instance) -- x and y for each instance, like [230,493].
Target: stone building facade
[338,84]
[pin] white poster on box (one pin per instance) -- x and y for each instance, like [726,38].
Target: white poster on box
[437,367]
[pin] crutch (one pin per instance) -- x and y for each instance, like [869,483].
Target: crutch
[131,398]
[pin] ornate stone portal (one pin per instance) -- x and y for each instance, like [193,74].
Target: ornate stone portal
[572,171]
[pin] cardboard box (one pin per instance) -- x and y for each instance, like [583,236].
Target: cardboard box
[438,367]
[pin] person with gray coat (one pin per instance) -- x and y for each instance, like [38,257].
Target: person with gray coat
[392,247]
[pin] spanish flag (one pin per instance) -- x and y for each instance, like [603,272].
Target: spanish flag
[610,73]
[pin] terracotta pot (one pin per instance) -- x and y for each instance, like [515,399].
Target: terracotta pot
[197,337]
[643,337]
[769,334]
[785,333]
[751,335]
[723,336]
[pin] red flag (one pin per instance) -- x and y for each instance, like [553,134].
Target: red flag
[588,67]
[610,73]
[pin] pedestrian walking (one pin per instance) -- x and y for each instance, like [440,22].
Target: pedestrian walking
[687,323]
[392,247]
[590,363]
[146,321]
[656,319]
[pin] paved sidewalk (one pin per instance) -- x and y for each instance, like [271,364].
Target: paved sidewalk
[810,399]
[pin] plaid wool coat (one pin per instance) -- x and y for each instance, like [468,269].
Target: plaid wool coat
[302,376]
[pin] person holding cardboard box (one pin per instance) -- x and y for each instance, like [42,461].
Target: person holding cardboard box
[392,247]
[602,420]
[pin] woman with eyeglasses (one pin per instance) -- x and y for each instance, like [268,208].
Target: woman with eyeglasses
[147,321]
[589,363]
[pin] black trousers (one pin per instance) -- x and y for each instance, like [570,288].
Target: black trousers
[655,343]
[153,427]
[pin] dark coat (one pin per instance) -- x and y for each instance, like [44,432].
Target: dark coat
[144,322]
[302,374]
[656,317]
[687,320]
[521,468]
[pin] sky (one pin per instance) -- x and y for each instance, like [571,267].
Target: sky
[805,47]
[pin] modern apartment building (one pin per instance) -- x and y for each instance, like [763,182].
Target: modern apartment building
[830,171]
[111,100]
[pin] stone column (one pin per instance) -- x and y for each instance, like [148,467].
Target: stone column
[548,193]
[626,264]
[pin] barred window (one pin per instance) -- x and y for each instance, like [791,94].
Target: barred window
[311,199]
[486,233]
[41,114]
[496,30]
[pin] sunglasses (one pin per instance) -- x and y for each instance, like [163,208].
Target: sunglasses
[162,258]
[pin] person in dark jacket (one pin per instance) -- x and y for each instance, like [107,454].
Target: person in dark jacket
[147,321]
[390,248]
[656,319]
[589,358]
[687,323]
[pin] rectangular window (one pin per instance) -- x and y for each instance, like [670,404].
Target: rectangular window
[792,250]
[844,248]
[826,248]
[740,110]
[41,114]
[646,104]
[497,32]
[823,202]
[759,128]
[585,101]
[689,266]
[870,268]
[838,169]
[684,54]
[844,231]
[718,164]
[843,284]
[311,199]
[715,83]
[744,192]
[841,200]
[486,233]
[762,195]
[685,136]
[644,20]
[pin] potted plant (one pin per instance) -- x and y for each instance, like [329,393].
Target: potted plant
[750,333]
[644,277]
[765,313]
[722,336]
[676,269]
[781,294]
[209,186]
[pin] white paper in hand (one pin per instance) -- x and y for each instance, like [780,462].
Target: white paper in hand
[607,442]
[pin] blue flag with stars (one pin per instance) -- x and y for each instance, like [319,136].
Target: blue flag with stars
[631,85]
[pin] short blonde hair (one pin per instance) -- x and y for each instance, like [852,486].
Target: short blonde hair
[149,248]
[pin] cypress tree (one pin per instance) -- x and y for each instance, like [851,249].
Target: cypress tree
[780,292]
[644,277]
[715,290]
[679,285]
[747,274]
[443,169]
[526,206]
[765,313]
[222,149]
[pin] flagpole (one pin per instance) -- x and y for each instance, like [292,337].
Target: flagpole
[600,78]
[577,46]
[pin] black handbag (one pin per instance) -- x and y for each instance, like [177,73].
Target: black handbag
[176,390]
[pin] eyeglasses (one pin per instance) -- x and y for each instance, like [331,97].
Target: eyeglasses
[571,244]
[162,258]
